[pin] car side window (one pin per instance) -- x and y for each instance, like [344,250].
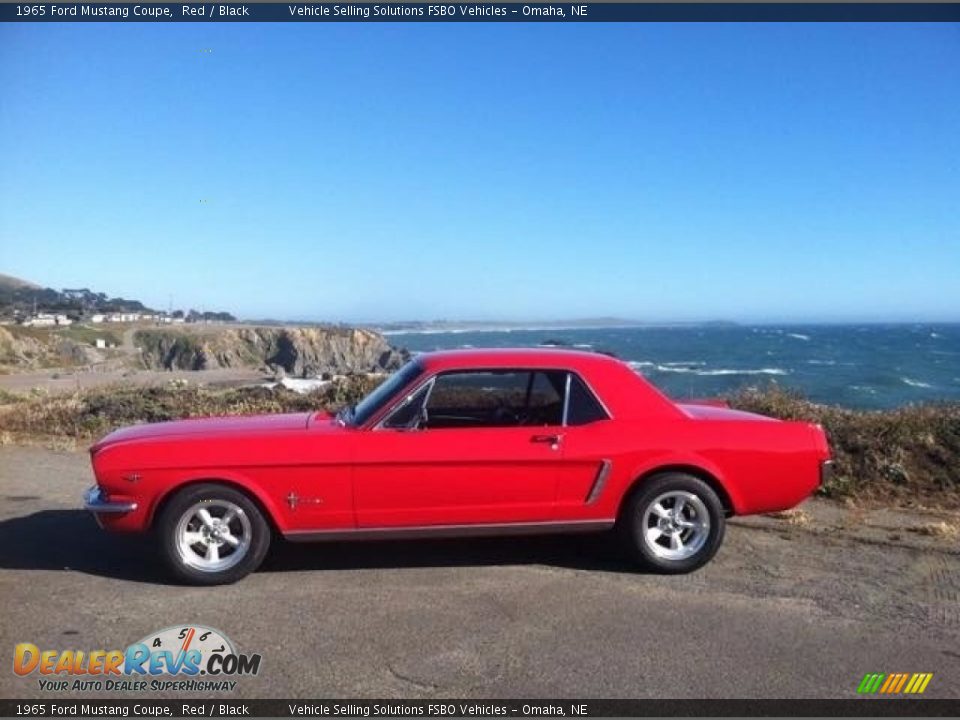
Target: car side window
[408,413]
[478,399]
[583,407]
[496,398]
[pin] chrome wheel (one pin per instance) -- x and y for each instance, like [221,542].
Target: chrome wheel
[213,535]
[675,525]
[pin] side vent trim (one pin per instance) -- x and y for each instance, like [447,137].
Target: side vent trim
[603,472]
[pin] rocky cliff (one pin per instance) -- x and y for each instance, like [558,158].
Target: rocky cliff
[30,350]
[301,352]
[27,352]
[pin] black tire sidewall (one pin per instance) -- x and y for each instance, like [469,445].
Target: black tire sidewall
[633,511]
[166,525]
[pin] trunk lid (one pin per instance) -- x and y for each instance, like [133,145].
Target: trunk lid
[701,411]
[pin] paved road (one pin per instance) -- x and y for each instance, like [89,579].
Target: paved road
[783,610]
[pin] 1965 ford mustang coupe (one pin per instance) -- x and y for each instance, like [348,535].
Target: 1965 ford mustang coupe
[459,443]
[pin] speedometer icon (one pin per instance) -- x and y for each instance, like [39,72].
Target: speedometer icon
[179,639]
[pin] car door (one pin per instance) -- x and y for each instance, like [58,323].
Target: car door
[592,449]
[483,453]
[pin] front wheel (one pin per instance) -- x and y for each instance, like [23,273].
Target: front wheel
[211,534]
[672,523]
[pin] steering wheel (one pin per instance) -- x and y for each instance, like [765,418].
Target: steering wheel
[504,414]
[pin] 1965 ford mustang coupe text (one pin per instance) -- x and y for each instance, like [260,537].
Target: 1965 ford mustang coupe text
[459,443]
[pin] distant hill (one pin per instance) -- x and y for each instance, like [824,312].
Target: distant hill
[419,326]
[19,298]
[9,282]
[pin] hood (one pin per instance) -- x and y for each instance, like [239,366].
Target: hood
[207,426]
[713,412]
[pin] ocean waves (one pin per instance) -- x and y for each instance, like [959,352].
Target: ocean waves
[699,369]
[863,366]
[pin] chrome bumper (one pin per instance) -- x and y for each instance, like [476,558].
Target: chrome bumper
[826,472]
[96,502]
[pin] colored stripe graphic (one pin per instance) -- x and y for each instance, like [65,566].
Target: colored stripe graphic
[870,683]
[918,683]
[894,683]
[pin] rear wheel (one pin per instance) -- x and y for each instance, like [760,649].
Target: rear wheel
[672,523]
[211,534]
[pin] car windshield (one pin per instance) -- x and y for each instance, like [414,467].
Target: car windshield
[360,413]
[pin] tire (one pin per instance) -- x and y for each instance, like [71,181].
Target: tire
[648,526]
[197,513]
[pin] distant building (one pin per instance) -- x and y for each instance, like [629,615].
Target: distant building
[123,317]
[40,320]
[97,318]
[46,320]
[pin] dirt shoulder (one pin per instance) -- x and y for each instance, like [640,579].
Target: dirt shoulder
[61,380]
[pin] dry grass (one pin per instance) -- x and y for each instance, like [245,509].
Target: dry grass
[943,529]
[794,516]
[91,413]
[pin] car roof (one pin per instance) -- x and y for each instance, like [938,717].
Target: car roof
[622,391]
[547,358]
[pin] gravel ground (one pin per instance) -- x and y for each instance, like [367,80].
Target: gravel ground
[797,606]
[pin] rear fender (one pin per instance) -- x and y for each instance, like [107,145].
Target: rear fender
[693,464]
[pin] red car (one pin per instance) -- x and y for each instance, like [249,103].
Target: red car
[459,443]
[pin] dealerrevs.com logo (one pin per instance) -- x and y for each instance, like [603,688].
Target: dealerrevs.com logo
[179,658]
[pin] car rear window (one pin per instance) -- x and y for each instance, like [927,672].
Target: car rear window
[583,407]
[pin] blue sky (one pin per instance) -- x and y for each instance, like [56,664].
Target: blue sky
[479,171]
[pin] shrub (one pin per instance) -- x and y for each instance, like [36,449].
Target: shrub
[90,413]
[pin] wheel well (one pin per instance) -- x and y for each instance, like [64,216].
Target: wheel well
[170,494]
[697,472]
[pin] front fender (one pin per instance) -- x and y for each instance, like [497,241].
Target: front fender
[231,478]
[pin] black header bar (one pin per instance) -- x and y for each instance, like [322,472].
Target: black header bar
[478,12]
[393,708]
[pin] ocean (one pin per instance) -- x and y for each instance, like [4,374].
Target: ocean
[857,366]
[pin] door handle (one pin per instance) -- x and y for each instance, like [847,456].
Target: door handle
[552,440]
